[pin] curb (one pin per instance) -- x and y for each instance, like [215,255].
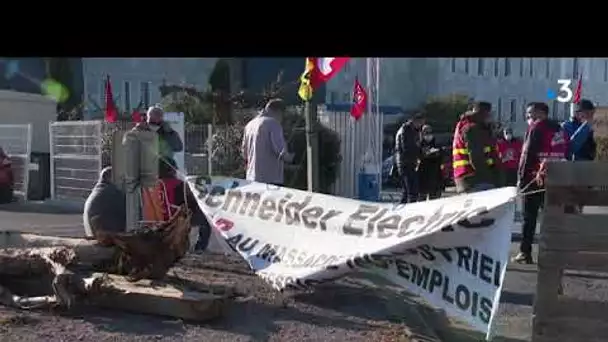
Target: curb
[45,207]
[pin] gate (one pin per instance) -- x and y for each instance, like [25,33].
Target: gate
[16,140]
[76,158]
[356,139]
[575,242]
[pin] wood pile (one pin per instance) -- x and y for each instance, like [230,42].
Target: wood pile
[122,271]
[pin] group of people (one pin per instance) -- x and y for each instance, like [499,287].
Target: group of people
[482,162]
[105,207]
[418,161]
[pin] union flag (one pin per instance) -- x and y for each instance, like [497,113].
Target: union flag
[318,70]
[359,101]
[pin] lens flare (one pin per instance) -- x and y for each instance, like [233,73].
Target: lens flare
[55,90]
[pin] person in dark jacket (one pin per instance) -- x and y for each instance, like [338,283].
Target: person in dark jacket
[407,155]
[105,209]
[544,140]
[580,130]
[167,174]
[169,140]
[429,169]
[474,151]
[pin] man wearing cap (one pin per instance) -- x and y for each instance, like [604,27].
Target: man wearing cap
[579,128]
[169,141]
[263,147]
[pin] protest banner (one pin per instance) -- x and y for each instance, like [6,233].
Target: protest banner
[452,252]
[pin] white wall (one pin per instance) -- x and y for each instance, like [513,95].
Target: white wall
[23,108]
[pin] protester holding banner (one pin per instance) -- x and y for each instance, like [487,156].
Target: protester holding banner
[474,151]
[407,155]
[429,169]
[544,140]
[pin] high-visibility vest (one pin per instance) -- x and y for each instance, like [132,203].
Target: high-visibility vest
[461,156]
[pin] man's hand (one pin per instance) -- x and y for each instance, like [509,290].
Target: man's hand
[288,157]
[142,126]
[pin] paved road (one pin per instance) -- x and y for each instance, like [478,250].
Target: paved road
[515,313]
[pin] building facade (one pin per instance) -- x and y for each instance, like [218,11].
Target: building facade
[137,80]
[508,83]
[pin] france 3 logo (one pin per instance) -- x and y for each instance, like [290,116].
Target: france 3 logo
[564,94]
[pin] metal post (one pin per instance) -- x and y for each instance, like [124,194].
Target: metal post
[312,146]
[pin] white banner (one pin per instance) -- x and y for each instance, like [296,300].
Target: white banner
[452,252]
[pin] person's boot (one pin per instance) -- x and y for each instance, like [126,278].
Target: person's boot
[523,258]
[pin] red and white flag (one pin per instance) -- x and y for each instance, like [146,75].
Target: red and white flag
[359,100]
[578,92]
[328,67]
[111,110]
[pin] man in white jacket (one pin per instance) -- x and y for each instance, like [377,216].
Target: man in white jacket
[264,147]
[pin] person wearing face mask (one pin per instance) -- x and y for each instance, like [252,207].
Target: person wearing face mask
[169,140]
[407,155]
[474,158]
[580,130]
[509,151]
[429,169]
[545,140]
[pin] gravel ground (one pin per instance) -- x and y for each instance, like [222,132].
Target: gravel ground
[343,311]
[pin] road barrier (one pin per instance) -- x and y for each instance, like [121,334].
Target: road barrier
[571,242]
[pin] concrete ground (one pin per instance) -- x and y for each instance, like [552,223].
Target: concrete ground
[515,313]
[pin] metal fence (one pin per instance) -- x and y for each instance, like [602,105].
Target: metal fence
[16,140]
[359,141]
[76,157]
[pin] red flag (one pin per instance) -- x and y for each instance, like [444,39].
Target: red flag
[359,101]
[111,111]
[578,92]
[319,70]
[136,115]
[326,68]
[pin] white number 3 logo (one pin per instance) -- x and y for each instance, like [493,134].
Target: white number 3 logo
[565,93]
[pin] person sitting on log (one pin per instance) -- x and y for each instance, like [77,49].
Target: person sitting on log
[105,208]
[172,191]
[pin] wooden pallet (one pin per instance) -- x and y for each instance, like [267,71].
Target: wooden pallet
[575,242]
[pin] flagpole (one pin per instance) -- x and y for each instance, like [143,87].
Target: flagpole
[312,145]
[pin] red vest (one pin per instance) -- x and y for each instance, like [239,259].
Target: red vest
[509,153]
[166,191]
[554,145]
[460,154]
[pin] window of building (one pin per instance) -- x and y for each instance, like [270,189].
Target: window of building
[480,66]
[554,110]
[499,110]
[521,67]
[606,70]
[575,67]
[126,92]
[347,97]
[453,62]
[507,66]
[531,66]
[496,66]
[144,88]
[547,67]
[466,65]
[513,111]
